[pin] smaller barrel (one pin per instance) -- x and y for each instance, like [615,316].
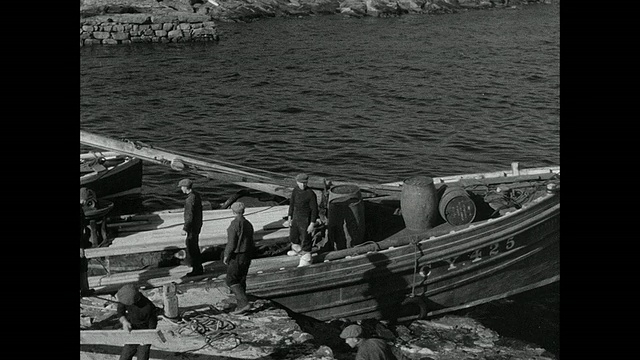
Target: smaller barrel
[418,202]
[345,225]
[456,207]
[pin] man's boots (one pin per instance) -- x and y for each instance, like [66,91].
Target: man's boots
[241,298]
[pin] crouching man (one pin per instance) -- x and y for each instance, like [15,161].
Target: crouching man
[368,349]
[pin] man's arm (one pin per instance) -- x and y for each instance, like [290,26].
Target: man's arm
[232,242]
[153,320]
[126,325]
[188,213]
[313,203]
[291,202]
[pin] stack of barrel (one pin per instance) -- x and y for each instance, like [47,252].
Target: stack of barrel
[419,204]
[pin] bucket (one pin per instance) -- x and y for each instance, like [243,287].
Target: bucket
[456,207]
[418,202]
[345,224]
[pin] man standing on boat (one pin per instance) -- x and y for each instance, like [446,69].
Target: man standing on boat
[368,349]
[303,213]
[84,243]
[237,256]
[192,226]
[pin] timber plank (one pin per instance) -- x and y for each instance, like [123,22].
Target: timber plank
[166,231]
[157,277]
[120,337]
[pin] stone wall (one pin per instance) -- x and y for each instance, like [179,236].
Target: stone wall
[136,28]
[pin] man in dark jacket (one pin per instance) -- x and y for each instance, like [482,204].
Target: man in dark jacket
[84,243]
[302,216]
[135,312]
[237,256]
[192,226]
[368,349]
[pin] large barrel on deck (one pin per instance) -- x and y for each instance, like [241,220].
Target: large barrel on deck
[456,207]
[345,223]
[418,202]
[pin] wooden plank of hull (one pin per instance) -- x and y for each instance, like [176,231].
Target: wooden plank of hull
[474,284]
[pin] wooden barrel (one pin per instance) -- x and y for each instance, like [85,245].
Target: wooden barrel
[345,223]
[456,207]
[418,202]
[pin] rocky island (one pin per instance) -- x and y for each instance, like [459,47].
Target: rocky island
[112,22]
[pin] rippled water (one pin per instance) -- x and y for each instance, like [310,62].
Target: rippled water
[363,99]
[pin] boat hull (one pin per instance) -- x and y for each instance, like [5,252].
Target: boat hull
[121,180]
[470,266]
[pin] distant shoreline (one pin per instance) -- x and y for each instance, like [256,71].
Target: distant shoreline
[113,22]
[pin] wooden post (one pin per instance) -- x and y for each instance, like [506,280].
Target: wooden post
[94,233]
[514,168]
[170,300]
[103,229]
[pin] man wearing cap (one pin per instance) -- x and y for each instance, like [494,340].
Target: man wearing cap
[368,349]
[237,256]
[192,226]
[135,312]
[84,243]
[302,216]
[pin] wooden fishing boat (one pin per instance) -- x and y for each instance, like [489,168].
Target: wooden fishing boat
[486,236]
[110,174]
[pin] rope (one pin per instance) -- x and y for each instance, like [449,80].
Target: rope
[369,243]
[212,329]
[415,269]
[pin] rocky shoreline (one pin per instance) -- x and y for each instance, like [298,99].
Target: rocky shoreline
[270,332]
[112,22]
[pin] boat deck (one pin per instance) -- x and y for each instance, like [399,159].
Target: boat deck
[163,230]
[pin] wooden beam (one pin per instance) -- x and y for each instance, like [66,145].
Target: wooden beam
[162,230]
[176,242]
[122,337]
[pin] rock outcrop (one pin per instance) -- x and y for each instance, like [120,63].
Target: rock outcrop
[249,10]
[129,21]
[270,332]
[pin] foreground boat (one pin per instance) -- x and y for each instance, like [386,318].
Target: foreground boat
[398,272]
[510,245]
[110,174]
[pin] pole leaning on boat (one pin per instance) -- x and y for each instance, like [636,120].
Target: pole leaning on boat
[261,180]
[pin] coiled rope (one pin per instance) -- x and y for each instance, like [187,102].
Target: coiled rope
[211,328]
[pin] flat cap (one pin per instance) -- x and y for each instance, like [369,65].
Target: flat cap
[303,178]
[351,331]
[185,182]
[238,207]
[127,294]
[87,194]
